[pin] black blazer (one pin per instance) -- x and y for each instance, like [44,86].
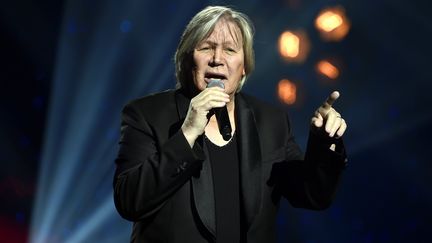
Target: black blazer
[166,189]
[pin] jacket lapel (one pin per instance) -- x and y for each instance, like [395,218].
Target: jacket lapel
[250,166]
[201,183]
[250,159]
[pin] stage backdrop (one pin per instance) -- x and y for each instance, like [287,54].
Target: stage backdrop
[68,67]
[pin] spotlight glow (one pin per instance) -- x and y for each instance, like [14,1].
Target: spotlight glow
[293,46]
[328,21]
[287,91]
[327,69]
[91,83]
[332,24]
[289,45]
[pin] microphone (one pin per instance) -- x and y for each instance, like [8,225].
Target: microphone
[221,113]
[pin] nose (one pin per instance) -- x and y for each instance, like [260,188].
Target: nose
[217,57]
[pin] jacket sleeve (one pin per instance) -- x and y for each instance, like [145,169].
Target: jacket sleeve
[310,182]
[147,172]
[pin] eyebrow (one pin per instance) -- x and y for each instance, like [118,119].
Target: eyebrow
[215,43]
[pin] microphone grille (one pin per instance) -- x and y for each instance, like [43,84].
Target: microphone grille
[215,83]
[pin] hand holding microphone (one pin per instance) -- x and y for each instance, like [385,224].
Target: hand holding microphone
[221,113]
[196,119]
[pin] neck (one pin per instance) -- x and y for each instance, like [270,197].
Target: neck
[231,105]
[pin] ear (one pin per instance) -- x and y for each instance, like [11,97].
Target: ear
[243,72]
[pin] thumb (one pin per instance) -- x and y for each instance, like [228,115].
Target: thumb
[317,120]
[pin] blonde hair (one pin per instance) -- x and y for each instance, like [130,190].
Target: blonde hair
[199,28]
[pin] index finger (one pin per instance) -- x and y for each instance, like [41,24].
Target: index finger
[331,99]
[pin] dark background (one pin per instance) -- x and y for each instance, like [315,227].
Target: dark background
[67,68]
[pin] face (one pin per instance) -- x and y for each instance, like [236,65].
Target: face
[220,56]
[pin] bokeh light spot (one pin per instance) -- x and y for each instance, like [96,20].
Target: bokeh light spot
[332,24]
[294,46]
[327,69]
[287,91]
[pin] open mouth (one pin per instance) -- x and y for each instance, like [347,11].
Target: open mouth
[209,76]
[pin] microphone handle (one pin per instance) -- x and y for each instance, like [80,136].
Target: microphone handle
[223,122]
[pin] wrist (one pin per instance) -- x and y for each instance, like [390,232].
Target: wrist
[189,135]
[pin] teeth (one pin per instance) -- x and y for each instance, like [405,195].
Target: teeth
[216,79]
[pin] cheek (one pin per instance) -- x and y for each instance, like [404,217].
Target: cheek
[198,78]
[198,68]
[239,67]
[197,75]
[199,59]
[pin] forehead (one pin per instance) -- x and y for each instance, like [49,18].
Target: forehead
[225,31]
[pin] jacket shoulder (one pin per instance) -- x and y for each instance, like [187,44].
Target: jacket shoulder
[153,100]
[153,107]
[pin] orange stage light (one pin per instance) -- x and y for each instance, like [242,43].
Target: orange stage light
[289,45]
[332,24]
[327,69]
[294,46]
[287,91]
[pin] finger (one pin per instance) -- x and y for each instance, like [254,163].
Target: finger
[333,147]
[212,91]
[212,103]
[213,95]
[212,100]
[207,91]
[215,104]
[335,127]
[331,99]
[330,120]
[317,120]
[342,128]
[217,95]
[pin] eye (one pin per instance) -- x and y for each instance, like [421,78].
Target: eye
[230,50]
[204,48]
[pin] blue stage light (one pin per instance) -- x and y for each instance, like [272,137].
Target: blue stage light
[98,70]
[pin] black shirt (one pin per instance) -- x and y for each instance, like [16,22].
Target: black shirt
[225,170]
